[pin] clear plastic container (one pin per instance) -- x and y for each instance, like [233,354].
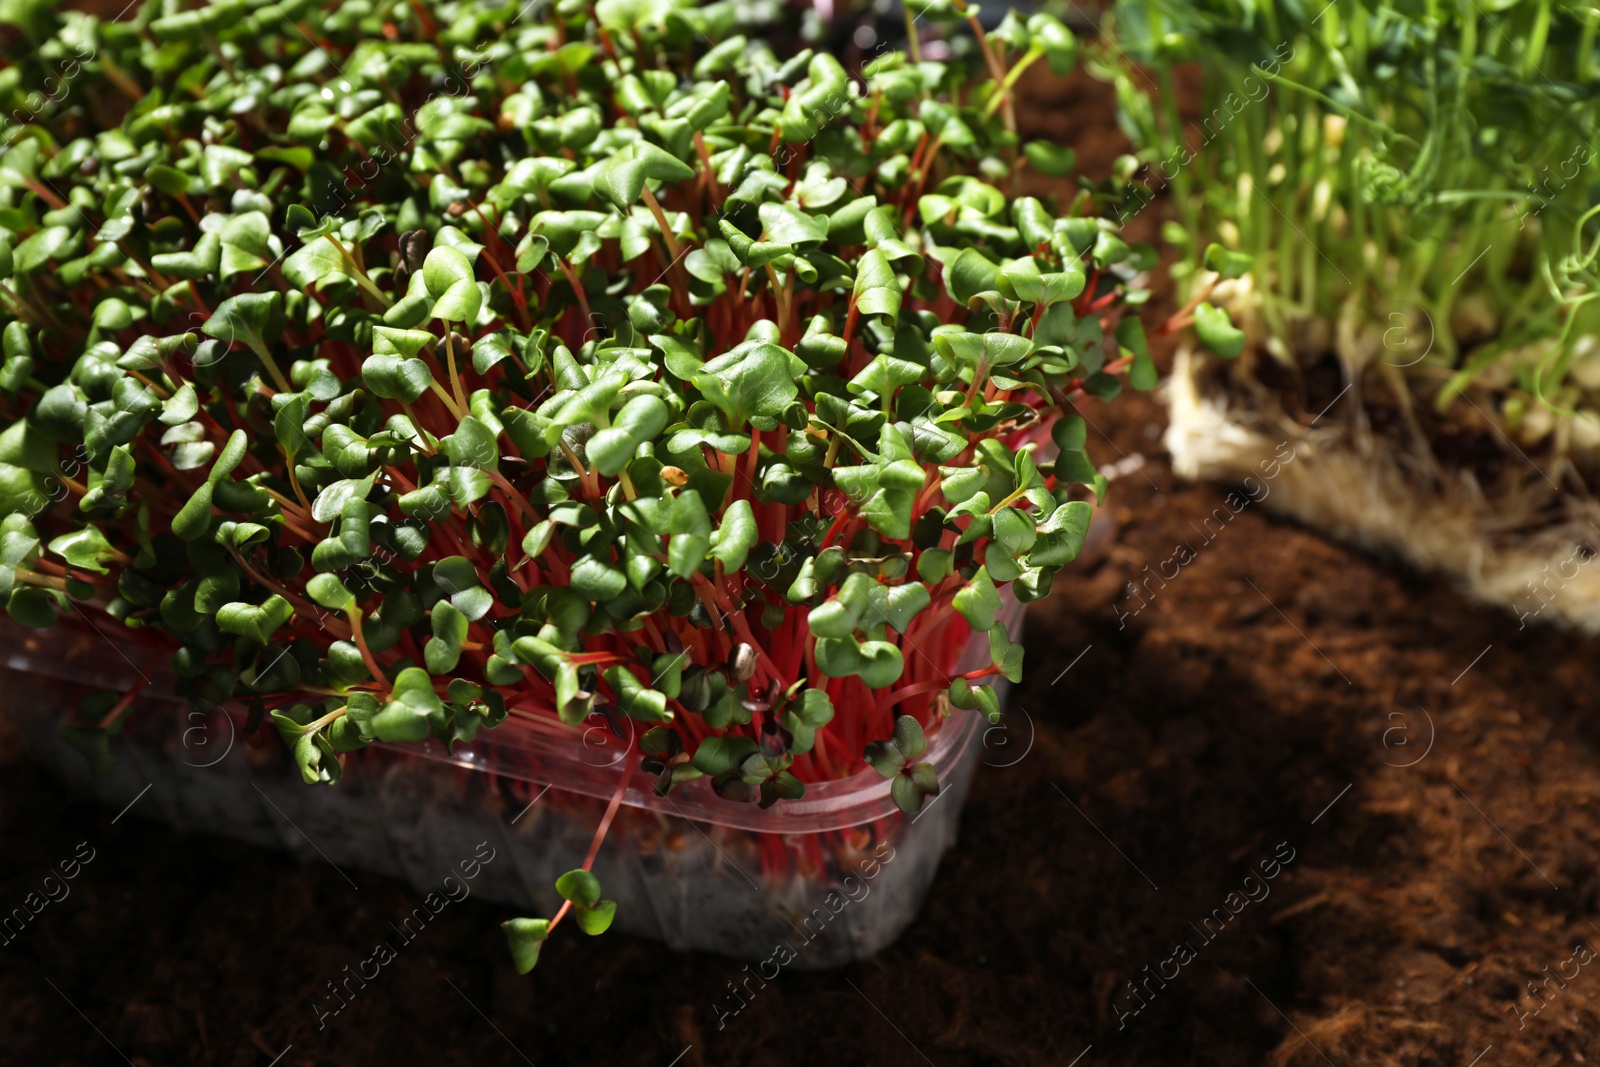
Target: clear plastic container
[812,883]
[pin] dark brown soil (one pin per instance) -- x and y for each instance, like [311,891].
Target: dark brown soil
[1424,772]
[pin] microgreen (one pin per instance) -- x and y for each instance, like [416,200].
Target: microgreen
[434,370]
[1400,184]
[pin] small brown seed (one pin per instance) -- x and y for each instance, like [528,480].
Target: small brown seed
[414,246]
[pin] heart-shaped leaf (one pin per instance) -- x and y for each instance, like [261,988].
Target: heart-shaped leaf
[255,621]
[1217,332]
[411,708]
[525,937]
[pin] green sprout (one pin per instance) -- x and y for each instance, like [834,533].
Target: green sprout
[1391,183]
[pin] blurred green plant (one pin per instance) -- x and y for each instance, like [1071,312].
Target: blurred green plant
[1373,168]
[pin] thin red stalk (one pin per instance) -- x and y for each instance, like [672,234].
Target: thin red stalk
[124,701]
[600,833]
[366,653]
[1081,305]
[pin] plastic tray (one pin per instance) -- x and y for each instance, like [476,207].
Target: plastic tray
[833,877]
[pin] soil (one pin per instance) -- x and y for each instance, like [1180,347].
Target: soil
[1415,773]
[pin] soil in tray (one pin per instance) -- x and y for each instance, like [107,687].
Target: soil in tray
[1269,697]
